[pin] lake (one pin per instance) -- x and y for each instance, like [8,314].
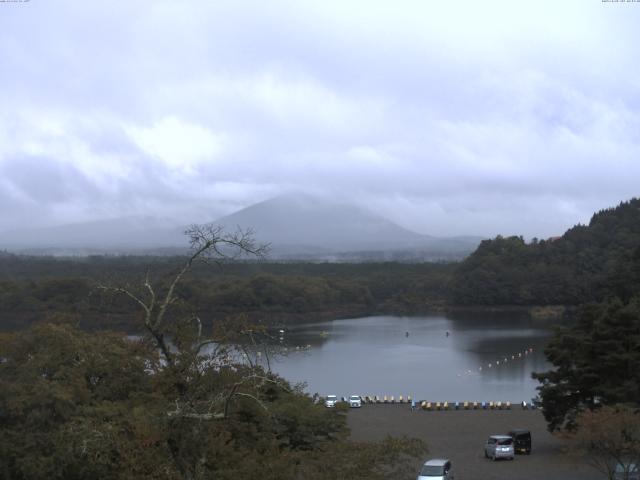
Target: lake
[485,357]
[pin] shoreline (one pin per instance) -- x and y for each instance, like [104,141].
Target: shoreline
[125,321]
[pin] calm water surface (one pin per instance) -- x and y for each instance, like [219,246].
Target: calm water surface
[374,356]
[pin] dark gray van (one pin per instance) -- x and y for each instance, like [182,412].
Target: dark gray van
[521,441]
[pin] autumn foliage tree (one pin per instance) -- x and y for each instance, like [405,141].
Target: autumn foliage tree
[609,438]
[182,401]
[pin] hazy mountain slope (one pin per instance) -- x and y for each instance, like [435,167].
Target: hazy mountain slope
[300,226]
[297,226]
[303,220]
[120,233]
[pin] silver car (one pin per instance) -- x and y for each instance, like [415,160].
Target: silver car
[499,446]
[436,469]
[331,401]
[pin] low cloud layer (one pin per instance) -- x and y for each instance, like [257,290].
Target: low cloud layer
[468,118]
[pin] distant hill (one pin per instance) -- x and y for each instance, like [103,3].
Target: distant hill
[298,227]
[120,235]
[587,263]
[305,220]
[305,227]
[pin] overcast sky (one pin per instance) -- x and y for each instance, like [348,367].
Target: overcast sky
[474,117]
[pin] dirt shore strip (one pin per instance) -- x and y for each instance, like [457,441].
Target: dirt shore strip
[460,436]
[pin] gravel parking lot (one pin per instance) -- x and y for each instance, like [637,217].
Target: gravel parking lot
[460,436]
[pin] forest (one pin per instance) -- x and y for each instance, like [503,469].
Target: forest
[588,263]
[178,402]
[33,287]
[79,404]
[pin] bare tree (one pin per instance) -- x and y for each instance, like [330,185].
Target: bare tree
[190,353]
[609,437]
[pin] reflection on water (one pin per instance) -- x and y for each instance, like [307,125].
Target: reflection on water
[375,356]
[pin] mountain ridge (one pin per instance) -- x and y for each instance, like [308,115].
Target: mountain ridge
[297,226]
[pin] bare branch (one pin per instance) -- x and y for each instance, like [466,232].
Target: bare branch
[199,323]
[128,293]
[152,293]
[242,394]
[204,343]
[266,356]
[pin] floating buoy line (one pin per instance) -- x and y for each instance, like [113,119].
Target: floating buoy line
[500,361]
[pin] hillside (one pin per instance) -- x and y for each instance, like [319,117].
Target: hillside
[588,263]
[309,228]
[292,220]
[298,227]
[117,235]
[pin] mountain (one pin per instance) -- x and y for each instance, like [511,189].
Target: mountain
[304,220]
[298,227]
[306,227]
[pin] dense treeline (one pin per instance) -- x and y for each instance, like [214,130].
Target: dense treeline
[595,362]
[32,287]
[587,263]
[24,267]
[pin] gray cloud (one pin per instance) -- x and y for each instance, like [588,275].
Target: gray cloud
[478,118]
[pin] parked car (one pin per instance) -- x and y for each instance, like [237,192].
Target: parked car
[355,401]
[331,401]
[499,446]
[521,440]
[630,469]
[436,469]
